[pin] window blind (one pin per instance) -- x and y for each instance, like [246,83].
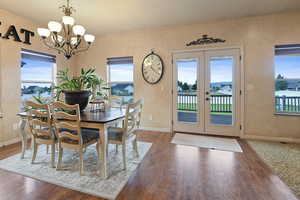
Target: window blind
[37,56]
[120,60]
[290,49]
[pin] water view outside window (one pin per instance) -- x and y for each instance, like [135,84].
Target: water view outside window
[36,77]
[221,104]
[187,105]
[287,83]
[221,80]
[121,81]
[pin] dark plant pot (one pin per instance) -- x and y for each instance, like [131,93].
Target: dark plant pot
[77,97]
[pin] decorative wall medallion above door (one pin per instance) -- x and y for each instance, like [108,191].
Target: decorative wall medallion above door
[205,40]
[152,68]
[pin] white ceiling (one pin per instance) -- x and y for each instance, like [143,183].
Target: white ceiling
[107,16]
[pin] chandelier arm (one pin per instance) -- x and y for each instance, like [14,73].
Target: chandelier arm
[82,49]
[53,47]
[79,40]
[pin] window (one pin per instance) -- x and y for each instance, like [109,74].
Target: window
[37,74]
[120,76]
[287,78]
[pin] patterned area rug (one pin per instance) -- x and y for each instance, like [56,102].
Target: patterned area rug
[90,183]
[284,160]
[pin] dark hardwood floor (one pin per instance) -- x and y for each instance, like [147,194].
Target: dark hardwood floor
[169,172]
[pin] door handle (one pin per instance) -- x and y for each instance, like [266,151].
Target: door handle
[207,99]
[207,93]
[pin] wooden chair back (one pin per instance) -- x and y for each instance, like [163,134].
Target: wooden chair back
[116,102]
[133,117]
[66,121]
[39,120]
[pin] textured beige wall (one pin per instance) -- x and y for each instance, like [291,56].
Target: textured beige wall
[10,83]
[257,36]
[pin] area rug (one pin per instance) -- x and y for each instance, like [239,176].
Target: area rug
[91,182]
[283,159]
[210,142]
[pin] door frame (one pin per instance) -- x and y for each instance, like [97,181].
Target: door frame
[242,83]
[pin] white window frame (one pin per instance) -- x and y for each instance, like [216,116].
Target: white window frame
[275,78]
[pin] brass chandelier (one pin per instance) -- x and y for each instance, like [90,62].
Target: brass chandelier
[66,37]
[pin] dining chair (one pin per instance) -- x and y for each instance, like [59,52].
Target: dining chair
[120,136]
[39,120]
[116,102]
[66,120]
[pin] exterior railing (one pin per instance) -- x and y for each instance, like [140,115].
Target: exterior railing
[287,104]
[223,103]
[218,103]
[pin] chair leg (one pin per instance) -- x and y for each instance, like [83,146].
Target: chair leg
[35,149]
[124,155]
[117,148]
[53,155]
[60,155]
[135,147]
[98,151]
[81,162]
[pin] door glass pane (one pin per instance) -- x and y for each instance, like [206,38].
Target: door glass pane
[187,104]
[221,90]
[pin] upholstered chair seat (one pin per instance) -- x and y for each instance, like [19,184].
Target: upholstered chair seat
[87,135]
[115,133]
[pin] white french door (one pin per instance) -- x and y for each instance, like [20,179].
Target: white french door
[206,93]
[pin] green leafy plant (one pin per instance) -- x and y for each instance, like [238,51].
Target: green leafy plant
[87,80]
[38,99]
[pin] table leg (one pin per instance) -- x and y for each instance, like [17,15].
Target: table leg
[103,153]
[22,125]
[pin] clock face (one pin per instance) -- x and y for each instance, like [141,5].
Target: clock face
[152,69]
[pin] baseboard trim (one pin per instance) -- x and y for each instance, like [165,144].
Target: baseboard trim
[9,142]
[269,138]
[165,130]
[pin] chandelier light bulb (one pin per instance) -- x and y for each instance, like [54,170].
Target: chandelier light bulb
[74,40]
[43,32]
[67,20]
[78,30]
[54,26]
[89,38]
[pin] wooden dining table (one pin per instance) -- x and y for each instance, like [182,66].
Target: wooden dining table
[95,120]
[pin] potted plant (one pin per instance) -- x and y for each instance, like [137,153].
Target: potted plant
[78,89]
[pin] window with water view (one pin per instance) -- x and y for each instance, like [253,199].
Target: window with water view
[37,75]
[121,78]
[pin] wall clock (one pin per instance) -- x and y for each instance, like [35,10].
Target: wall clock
[152,68]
